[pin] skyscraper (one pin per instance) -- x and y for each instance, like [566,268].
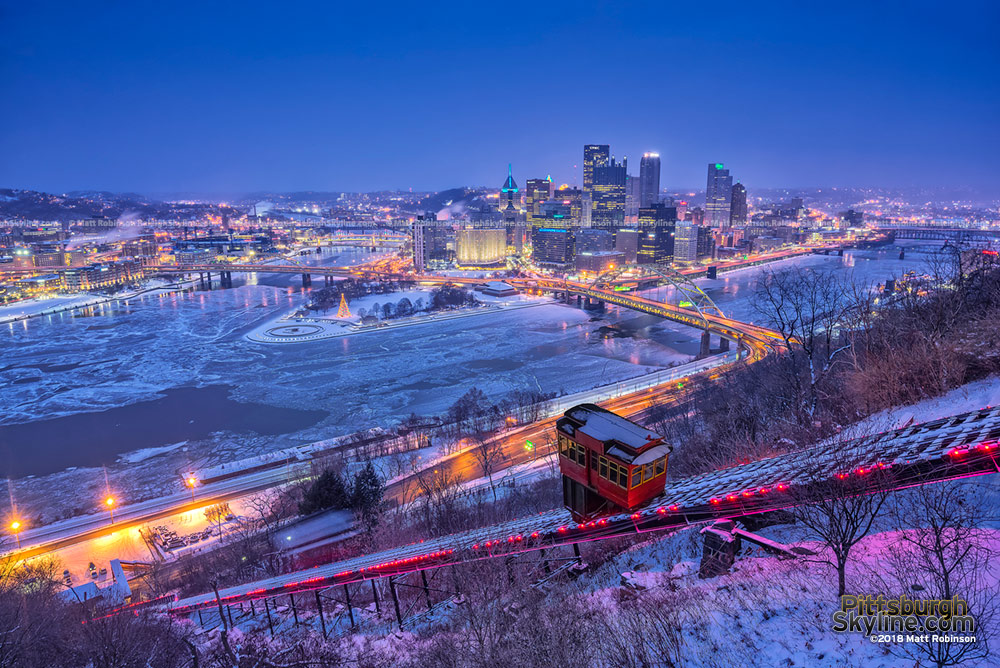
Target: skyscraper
[718,194]
[633,195]
[686,243]
[509,199]
[649,180]
[738,206]
[610,181]
[594,155]
[536,191]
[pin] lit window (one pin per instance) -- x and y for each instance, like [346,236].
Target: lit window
[637,476]
[661,465]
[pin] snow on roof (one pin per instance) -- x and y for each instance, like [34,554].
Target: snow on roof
[606,426]
[652,455]
[499,285]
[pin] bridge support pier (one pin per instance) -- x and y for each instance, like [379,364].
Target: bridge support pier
[328,280]
[902,254]
[706,344]
[395,601]
[319,604]
[840,252]
[226,279]
[720,549]
[723,344]
[307,280]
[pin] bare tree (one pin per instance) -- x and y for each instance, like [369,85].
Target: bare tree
[811,310]
[488,451]
[944,551]
[840,511]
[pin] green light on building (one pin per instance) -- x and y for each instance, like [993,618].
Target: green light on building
[718,165]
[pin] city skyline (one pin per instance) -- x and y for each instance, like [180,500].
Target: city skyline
[300,100]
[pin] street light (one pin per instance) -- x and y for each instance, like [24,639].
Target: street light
[110,503]
[191,482]
[15,526]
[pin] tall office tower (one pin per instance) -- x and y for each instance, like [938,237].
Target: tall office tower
[656,226]
[717,196]
[738,206]
[510,201]
[594,156]
[610,180]
[649,179]
[536,191]
[632,196]
[686,243]
[573,198]
[419,262]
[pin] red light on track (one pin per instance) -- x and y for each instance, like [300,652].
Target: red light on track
[534,535]
[748,493]
[731,497]
[781,487]
[675,507]
[661,511]
[635,516]
[763,490]
[715,501]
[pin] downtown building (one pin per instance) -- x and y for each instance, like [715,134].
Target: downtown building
[718,196]
[480,247]
[608,198]
[657,229]
[738,206]
[536,192]
[649,180]
[553,247]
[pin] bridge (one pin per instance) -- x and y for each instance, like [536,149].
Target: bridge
[954,234]
[712,321]
[950,448]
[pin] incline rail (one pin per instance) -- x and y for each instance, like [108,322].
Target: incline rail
[956,447]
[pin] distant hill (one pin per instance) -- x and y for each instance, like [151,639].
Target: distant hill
[33,205]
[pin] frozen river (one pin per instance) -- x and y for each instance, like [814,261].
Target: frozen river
[168,382]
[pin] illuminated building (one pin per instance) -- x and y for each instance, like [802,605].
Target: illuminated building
[103,275]
[594,155]
[476,248]
[573,198]
[510,200]
[553,246]
[656,226]
[433,245]
[649,180]
[718,194]
[686,243]
[610,181]
[738,206]
[598,262]
[536,191]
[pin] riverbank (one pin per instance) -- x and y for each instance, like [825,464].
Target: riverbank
[34,308]
[291,328]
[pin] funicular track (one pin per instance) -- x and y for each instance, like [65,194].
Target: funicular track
[960,446]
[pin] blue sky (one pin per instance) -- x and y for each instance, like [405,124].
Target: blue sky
[233,97]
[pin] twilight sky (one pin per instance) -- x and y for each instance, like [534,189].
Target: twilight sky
[228,97]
